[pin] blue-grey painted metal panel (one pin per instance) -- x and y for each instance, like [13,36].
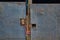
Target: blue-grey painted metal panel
[45,21]
[58,22]
[47,24]
[10,28]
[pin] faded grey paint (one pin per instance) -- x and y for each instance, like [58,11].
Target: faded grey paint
[46,23]
[9,21]
[47,27]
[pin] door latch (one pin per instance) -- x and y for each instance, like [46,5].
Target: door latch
[22,21]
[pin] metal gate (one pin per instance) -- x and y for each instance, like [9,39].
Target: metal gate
[43,15]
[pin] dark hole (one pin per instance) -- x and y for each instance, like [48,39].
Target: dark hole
[33,25]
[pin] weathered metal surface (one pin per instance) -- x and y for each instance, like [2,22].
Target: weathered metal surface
[47,24]
[10,21]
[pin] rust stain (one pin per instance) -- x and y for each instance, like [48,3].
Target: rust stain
[20,3]
[0,7]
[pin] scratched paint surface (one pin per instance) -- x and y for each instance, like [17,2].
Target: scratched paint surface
[47,24]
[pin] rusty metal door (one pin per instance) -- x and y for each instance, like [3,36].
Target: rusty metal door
[10,14]
[44,16]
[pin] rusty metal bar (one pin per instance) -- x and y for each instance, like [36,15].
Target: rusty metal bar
[28,27]
[26,22]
